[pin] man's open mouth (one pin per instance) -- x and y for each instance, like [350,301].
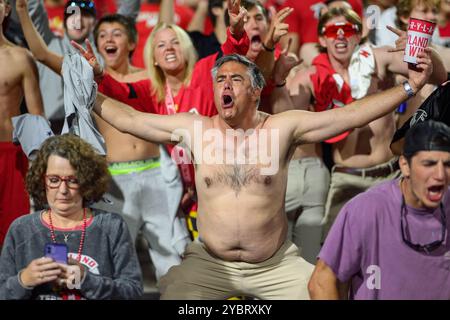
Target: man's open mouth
[435,193]
[227,101]
[111,50]
[255,41]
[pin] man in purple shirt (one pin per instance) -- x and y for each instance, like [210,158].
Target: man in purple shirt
[392,241]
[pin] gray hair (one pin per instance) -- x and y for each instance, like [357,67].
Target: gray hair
[256,77]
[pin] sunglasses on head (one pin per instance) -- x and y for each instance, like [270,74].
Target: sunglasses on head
[346,29]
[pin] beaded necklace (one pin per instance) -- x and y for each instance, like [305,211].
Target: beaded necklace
[83,232]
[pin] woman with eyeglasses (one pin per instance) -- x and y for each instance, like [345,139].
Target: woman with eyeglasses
[68,250]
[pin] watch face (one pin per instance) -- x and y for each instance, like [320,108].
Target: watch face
[408,89]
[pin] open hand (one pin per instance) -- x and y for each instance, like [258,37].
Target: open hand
[277,27]
[237,15]
[89,55]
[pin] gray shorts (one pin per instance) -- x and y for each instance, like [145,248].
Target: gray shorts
[140,193]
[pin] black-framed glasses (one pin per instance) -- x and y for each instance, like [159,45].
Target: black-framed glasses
[53,181]
[423,247]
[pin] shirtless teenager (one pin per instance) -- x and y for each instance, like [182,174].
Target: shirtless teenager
[345,72]
[18,79]
[142,189]
[241,218]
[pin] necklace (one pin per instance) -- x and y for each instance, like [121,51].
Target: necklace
[66,236]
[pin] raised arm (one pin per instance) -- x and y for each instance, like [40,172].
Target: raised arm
[197,22]
[39,17]
[30,85]
[280,99]
[129,8]
[277,29]
[166,11]
[312,127]
[35,41]
[392,59]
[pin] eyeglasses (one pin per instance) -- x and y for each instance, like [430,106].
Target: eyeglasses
[54,181]
[423,247]
[333,31]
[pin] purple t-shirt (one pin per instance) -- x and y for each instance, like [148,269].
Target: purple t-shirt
[365,244]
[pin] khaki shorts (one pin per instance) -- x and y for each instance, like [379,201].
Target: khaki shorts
[201,276]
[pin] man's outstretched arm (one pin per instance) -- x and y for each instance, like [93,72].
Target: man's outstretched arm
[312,127]
[148,126]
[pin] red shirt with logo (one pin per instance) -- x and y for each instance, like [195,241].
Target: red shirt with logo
[146,21]
[304,19]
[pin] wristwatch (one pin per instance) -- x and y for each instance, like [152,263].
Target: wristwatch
[408,89]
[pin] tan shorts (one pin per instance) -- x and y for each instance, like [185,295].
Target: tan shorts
[202,276]
[345,186]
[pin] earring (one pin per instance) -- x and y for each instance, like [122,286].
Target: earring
[156,63]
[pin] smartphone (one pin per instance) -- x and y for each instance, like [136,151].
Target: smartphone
[56,251]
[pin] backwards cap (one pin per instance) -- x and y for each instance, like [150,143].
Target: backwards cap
[429,135]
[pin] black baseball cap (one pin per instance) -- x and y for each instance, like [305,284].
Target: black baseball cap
[435,107]
[429,135]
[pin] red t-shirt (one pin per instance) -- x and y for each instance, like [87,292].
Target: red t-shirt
[146,21]
[444,34]
[304,19]
[56,19]
[105,7]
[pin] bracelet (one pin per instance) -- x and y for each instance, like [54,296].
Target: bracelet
[266,48]
[281,84]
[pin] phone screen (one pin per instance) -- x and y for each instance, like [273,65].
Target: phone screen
[56,251]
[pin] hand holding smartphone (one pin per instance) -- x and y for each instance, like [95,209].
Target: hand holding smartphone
[57,251]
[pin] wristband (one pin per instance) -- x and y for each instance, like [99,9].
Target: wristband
[267,49]
[281,84]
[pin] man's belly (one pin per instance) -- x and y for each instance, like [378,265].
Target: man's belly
[243,236]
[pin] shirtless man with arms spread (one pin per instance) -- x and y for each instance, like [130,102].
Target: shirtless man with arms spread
[241,219]
[18,79]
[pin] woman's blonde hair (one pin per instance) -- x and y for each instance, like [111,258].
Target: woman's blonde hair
[156,74]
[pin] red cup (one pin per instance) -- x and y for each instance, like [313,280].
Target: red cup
[419,37]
